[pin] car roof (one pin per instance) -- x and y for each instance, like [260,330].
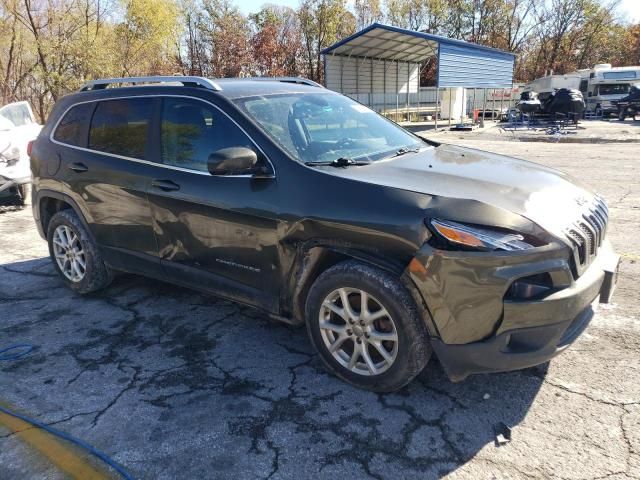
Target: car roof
[239,87]
[230,88]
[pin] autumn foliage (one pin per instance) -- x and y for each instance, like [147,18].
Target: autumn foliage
[50,47]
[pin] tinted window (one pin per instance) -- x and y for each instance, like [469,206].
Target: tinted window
[71,129]
[193,130]
[121,126]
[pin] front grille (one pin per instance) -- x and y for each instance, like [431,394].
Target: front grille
[587,234]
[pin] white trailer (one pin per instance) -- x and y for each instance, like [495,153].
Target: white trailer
[554,82]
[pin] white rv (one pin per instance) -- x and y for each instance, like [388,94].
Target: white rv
[603,85]
[600,85]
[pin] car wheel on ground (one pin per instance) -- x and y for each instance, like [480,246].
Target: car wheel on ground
[75,255]
[366,327]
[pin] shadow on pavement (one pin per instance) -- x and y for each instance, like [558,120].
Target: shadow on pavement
[172,383]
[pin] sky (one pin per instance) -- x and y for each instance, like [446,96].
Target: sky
[628,10]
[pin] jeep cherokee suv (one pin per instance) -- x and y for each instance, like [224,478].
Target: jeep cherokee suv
[299,201]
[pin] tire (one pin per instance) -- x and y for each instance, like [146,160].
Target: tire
[622,114]
[96,274]
[23,194]
[598,111]
[406,355]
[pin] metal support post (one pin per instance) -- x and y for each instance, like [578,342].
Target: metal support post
[437,101]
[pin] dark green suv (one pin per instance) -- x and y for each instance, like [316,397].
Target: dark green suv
[301,202]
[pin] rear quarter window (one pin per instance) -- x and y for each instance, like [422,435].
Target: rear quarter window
[121,127]
[72,128]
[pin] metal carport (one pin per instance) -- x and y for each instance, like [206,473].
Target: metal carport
[381,61]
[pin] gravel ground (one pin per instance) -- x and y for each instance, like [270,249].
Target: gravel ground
[172,384]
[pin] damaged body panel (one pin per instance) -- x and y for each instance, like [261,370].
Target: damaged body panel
[503,258]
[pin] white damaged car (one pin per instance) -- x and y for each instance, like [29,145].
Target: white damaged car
[18,127]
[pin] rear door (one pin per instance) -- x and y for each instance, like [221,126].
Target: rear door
[103,148]
[214,232]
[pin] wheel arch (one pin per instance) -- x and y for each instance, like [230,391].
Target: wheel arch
[50,202]
[314,258]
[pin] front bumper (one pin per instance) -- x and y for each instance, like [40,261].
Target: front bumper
[476,328]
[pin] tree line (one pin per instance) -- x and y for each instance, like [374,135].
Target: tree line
[50,47]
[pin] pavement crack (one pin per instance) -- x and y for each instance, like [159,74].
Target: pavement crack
[115,399]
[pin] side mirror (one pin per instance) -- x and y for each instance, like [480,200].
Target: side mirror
[233,161]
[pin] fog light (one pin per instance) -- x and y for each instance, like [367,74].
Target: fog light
[529,288]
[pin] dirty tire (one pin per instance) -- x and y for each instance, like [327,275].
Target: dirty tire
[413,347]
[97,274]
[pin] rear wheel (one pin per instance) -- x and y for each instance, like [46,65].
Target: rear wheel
[366,327]
[622,114]
[75,255]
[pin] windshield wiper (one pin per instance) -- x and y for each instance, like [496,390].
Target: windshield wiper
[404,151]
[338,162]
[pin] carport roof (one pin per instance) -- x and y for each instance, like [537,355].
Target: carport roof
[382,41]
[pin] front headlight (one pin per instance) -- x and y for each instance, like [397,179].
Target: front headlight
[478,237]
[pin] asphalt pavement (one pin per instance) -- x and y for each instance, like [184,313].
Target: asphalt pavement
[169,383]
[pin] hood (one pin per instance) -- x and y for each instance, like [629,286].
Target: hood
[549,198]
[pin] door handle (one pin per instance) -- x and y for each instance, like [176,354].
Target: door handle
[166,185]
[78,167]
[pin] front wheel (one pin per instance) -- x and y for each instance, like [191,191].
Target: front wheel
[622,114]
[366,327]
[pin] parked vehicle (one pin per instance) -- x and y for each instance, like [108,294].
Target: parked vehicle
[601,86]
[17,128]
[629,106]
[308,205]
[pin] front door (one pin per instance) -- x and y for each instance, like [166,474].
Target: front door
[214,232]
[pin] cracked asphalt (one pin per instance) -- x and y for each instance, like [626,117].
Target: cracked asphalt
[173,384]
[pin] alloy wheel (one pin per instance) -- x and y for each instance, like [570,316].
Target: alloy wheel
[69,254]
[358,331]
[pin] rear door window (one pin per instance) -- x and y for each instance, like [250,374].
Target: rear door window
[121,127]
[192,130]
[72,129]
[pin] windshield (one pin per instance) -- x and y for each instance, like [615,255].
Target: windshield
[322,127]
[5,123]
[613,89]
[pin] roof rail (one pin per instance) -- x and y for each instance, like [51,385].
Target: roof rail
[186,81]
[298,80]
